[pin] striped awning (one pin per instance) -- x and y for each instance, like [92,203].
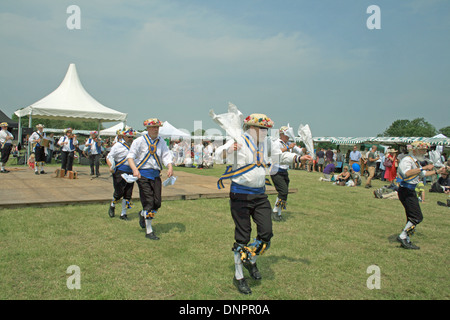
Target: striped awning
[384,140]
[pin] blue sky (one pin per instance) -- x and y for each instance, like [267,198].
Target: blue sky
[303,62]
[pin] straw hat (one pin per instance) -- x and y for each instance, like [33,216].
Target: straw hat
[152,122]
[4,124]
[417,145]
[258,120]
[67,130]
[129,133]
[40,126]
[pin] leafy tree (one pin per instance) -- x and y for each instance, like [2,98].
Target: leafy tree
[406,128]
[59,124]
[445,131]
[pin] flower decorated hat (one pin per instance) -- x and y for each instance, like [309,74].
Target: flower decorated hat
[152,122]
[416,145]
[258,120]
[129,133]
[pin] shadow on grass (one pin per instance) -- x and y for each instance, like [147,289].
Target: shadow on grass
[265,264]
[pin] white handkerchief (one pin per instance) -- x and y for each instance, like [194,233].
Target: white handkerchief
[170,181]
[129,177]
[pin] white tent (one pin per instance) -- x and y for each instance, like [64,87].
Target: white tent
[71,101]
[169,131]
[112,131]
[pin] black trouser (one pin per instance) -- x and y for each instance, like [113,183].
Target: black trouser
[39,154]
[121,187]
[410,202]
[6,151]
[150,193]
[281,183]
[257,206]
[94,159]
[67,160]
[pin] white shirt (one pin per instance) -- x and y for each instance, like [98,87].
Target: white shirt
[119,152]
[36,136]
[409,162]
[256,177]
[65,144]
[3,135]
[90,143]
[139,149]
[281,145]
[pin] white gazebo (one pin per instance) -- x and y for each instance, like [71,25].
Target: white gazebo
[70,101]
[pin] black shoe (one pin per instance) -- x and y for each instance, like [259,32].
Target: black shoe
[152,236]
[124,217]
[111,211]
[406,244]
[276,217]
[242,286]
[43,172]
[141,221]
[4,171]
[36,172]
[440,203]
[253,270]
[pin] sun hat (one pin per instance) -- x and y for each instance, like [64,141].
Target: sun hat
[417,145]
[67,130]
[258,120]
[152,122]
[129,133]
[4,124]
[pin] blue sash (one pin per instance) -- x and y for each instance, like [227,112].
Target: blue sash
[258,161]
[152,147]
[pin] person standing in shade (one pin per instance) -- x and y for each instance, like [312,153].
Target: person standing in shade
[68,144]
[94,147]
[146,158]
[36,140]
[5,145]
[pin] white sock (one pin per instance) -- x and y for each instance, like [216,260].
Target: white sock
[239,273]
[124,207]
[275,208]
[404,235]
[148,224]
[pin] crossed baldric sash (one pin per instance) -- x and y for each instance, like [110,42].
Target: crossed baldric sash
[408,179]
[258,161]
[152,146]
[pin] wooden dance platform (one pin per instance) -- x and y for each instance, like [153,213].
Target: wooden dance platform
[22,187]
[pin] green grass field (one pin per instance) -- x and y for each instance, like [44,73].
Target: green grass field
[330,236]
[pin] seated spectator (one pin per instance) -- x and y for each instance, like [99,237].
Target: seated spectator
[343,177]
[386,192]
[442,185]
[328,172]
[356,175]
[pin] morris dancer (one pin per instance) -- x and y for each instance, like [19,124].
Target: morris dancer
[146,158]
[411,172]
[279,173]
[247,193]
[36,140]
[5,146]
[118,165]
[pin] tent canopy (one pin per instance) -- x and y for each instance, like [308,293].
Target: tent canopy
[5,118]
[169,131]
[71,101]
[112,131]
